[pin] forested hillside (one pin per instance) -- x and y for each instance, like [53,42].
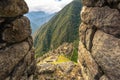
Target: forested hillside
[63,27]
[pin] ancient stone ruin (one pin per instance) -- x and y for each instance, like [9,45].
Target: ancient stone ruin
[99,46]
[16,54]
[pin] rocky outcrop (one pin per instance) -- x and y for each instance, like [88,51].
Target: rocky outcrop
[58,67]
[99,46]
[16,53]
[66,49]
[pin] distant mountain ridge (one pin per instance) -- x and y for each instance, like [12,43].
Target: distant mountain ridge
[38,18]
[63,27]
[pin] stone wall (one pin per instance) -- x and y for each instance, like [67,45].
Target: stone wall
[16,54]
[99,46]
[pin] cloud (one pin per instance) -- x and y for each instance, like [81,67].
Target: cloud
[49,6]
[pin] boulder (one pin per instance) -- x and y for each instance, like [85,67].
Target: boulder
[66,67]
[100,3]
[89,67]
[92,3]
[106,51]
[18,30]
[12,8]
[10,56]
[105,19]
[46,68]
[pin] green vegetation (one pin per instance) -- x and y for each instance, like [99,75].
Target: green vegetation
[61,59]
[74,56]
[63,27]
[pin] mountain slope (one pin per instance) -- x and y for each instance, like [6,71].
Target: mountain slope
[63,27]
[38,18]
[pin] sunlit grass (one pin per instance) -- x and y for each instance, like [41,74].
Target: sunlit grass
[62,59]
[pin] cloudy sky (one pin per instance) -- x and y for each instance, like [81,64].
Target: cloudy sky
[49,6]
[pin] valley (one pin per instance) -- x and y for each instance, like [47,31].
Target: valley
[80,42]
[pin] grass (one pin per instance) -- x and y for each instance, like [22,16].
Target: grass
[74,56]
[61,59]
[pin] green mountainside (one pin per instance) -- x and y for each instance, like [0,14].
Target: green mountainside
[63,27]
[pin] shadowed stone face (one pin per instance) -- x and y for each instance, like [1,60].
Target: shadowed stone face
[2,20]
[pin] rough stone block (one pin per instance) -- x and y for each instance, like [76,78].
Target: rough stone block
[18,30]
[12,8]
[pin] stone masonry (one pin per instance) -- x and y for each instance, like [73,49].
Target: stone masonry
[16,53]
[99,46]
